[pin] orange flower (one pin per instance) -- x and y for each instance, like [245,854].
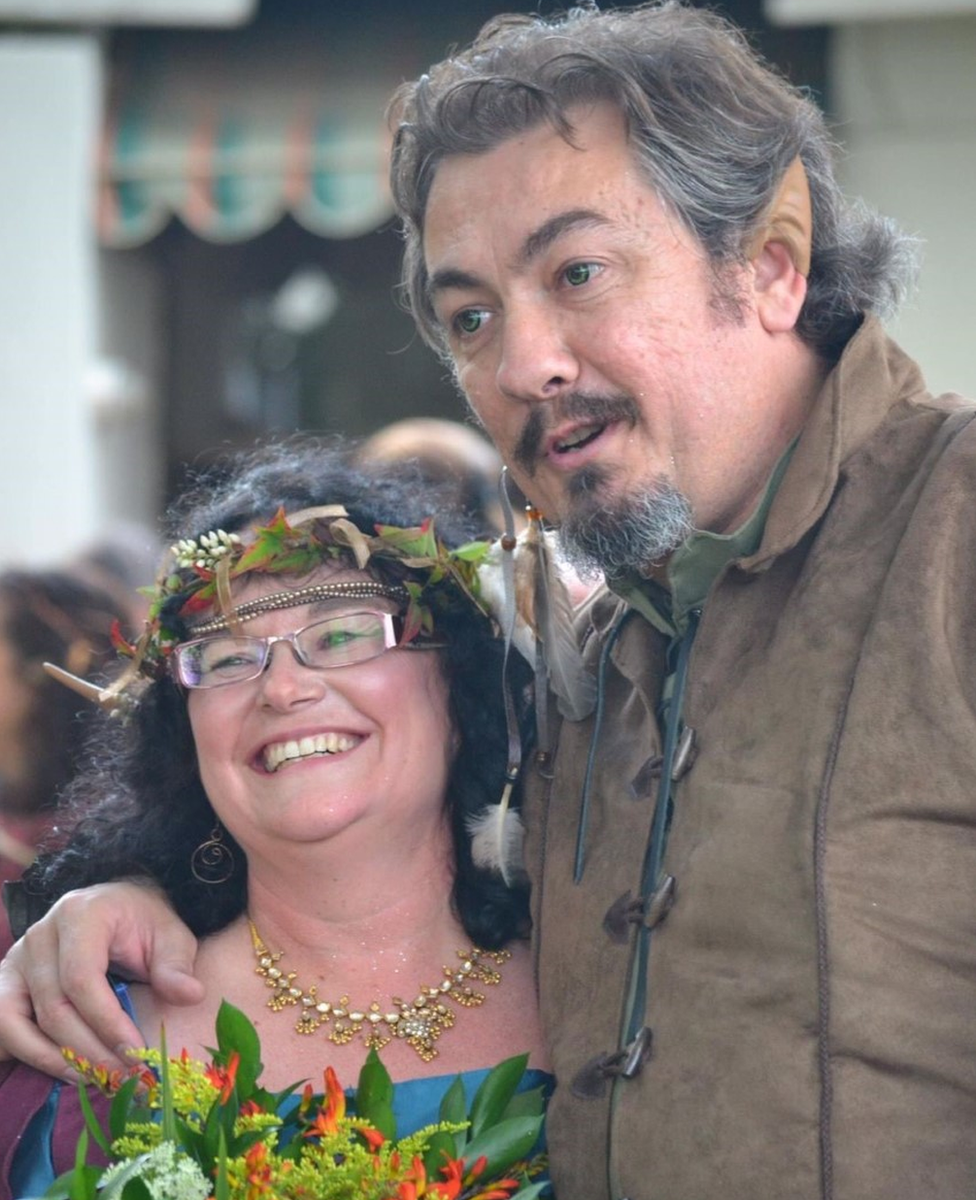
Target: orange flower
[258,1171]
[327,1119]
[372,1137]
[107,1081]
[415,1185]
[224,1078]
[456,1179]
[335,1107]
[501,1189]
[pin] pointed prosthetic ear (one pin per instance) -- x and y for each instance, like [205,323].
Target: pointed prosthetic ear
[780,252]
[789,219]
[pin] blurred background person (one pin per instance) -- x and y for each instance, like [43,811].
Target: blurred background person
[455,457]
[45,616]
[119,562]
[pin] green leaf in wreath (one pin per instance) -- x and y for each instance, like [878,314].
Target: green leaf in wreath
[472,552]
[495,1092]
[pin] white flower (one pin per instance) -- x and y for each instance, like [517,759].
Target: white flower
[167,1174]
[206,553]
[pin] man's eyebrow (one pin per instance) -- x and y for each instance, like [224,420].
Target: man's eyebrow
[537,242]
[451,277]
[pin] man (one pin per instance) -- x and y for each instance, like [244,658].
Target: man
[754,864]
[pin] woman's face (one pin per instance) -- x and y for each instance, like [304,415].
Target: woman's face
[373,739]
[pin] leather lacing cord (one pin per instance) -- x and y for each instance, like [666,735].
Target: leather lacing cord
[601,683]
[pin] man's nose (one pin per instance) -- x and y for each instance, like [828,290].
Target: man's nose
[537,362]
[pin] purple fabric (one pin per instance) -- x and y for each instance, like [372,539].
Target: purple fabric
[23,1093]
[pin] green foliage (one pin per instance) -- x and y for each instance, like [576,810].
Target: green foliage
[216,1129]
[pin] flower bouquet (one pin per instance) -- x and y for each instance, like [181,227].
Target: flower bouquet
[179,1129]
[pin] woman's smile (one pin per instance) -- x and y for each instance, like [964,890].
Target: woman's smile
[277,755]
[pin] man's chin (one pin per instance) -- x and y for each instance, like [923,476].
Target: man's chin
[618,535]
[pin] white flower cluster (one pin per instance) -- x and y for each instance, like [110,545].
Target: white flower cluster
[206,553]
[167,1174]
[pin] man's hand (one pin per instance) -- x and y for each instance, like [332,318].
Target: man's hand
[53,990]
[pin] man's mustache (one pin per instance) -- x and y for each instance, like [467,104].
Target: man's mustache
[577,406]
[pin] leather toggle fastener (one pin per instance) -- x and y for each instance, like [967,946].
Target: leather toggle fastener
[685,753]
[590,1082]
[627,911]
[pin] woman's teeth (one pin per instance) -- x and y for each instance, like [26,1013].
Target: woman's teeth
[307,747]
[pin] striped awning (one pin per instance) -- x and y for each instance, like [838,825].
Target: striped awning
[229,143]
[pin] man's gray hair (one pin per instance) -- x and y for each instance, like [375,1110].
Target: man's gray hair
[713,126]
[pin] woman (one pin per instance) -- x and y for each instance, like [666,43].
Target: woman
[49,616]
[318,715]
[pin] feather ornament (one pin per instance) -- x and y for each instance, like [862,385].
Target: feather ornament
[497,833]
[543,599]
[497,839]
[524,591]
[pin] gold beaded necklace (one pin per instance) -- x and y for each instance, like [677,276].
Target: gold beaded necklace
[419,1022]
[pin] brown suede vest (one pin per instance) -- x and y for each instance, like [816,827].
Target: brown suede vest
[811,994]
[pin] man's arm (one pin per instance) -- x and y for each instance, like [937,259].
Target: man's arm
[53,987]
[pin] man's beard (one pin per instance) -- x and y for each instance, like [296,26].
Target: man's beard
[628,534]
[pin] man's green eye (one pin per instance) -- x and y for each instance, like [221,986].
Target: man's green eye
[470,321]
[579,273]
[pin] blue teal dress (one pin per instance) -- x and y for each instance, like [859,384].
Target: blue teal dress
[416,1103]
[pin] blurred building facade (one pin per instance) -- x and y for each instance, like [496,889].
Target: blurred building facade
[197,241]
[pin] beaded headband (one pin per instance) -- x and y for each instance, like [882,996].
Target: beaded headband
[345,590]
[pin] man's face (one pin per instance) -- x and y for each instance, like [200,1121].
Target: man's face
[586,332]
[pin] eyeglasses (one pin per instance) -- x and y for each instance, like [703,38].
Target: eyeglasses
[341,641]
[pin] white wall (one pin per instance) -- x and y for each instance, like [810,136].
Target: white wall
[905,93]
[124,388]
[49,113]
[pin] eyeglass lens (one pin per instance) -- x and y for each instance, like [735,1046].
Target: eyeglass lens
[336,642]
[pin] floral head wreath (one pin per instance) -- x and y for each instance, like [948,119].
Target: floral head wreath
[198,575]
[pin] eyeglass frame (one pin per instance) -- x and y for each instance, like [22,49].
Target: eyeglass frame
[392,632]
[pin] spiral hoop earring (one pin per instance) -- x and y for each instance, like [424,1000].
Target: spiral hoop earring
[212,862]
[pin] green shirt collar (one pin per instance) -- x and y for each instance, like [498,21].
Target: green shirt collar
[695,565]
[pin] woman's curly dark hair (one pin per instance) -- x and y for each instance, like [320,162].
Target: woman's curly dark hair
[141,807]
